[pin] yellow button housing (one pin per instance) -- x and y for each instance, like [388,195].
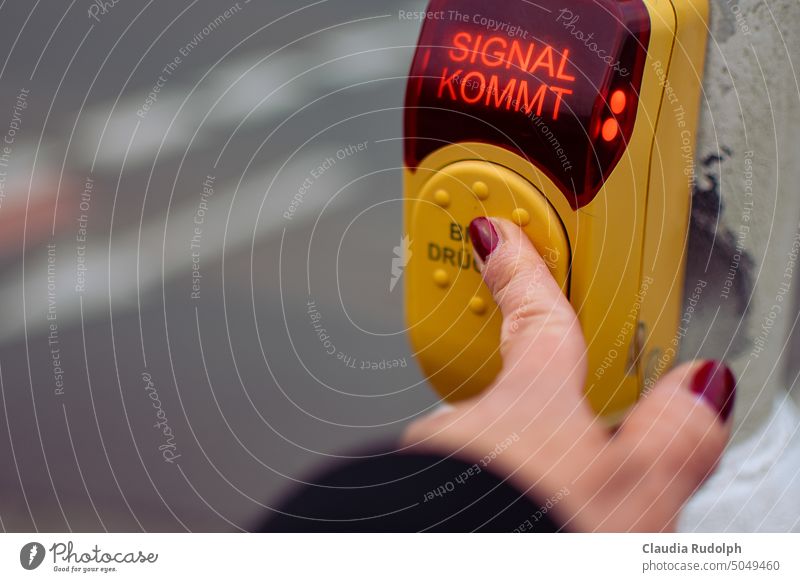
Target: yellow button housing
[626,251]
[456,328]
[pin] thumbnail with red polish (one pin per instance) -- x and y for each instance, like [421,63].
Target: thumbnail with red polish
[716,384]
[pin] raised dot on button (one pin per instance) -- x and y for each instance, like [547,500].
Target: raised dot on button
[442,198]
[521,217]
[477,306]
[441,278]
[481,190]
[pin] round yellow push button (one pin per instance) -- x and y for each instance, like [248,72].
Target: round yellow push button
[452,319]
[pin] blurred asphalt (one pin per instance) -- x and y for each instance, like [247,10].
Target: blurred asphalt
[244,383]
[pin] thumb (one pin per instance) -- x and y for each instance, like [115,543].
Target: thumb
[679,429]
[540,329]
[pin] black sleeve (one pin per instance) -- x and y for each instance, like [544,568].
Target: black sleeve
[397,492]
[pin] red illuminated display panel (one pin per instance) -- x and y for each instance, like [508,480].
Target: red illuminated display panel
[558,85]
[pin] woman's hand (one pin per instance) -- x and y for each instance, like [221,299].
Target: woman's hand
[534,426]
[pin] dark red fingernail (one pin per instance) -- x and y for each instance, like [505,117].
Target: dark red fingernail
[483,236]
[716,384]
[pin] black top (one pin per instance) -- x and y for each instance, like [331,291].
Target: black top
[398,492]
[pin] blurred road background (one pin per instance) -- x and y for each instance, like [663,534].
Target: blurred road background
[180,181]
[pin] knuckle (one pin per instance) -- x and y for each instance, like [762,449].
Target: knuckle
[500,281]
[503,267]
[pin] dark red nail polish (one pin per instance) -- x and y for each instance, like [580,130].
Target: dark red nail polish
[716,384]
[483,236]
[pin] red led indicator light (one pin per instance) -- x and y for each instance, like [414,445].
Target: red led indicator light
[610,129]
[618,101]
